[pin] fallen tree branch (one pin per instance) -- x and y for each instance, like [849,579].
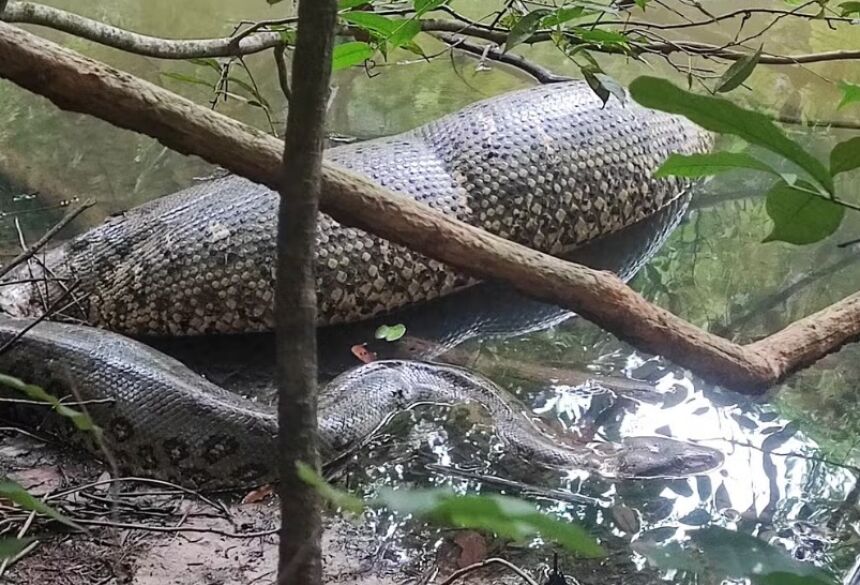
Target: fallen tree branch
[486,563]
[76,83]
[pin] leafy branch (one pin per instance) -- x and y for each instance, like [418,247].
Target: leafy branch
[805,208]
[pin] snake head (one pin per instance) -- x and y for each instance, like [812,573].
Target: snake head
[652,457]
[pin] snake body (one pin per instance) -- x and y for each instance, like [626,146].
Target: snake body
[549,167]
[160,419]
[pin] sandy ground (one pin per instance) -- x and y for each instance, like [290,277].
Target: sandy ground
[150,541]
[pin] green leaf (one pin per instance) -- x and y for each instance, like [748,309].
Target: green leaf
[783,578]
[250,89]
[508,517]
[738,555]
[9,547]
[424,6]
[390,332]
[336,497]
[601,37]
[370,21]
[800,217]
[561,15]
[396,31]
[669,556]
[349,54]
[849,8]
[525,27]
[706,165]
[186,78]
[404,33]
[738,72]
[850,93]
[845,156]
[719,115]
[207,62]
[17,494]
[81,421]
[349,4]
[721,553]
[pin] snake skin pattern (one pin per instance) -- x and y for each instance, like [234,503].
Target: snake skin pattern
[160,419]
[548,167]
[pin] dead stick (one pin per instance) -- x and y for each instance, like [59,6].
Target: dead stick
[49,235]
[485,563]
[77,83]
[47,314]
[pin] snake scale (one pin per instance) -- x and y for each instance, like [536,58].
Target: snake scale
[549,167]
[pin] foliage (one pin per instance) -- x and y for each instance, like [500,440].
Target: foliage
[503,515]
[732,555]
[390,332]
[802,211]
[15,493]
[11,547]
[80,419]
[850,93]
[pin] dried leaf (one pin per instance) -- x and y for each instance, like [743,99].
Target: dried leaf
[361,352]
[258,495]
[473,548]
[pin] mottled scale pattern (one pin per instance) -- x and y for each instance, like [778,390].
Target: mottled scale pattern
[548,167]
[162,420]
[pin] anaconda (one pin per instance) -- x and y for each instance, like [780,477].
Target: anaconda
[550,167]
[160,419]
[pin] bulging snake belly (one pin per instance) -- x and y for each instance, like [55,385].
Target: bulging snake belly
[549,167]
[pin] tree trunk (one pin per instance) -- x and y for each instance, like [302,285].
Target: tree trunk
[295,298]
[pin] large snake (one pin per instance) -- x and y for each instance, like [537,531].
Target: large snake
[550,167]
[160,419]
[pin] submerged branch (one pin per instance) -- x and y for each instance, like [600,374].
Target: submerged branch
[77,83]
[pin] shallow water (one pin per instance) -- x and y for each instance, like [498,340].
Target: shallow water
[782,479]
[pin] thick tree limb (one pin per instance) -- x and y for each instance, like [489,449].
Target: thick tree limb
[76,83]
[118,38]
[300,560]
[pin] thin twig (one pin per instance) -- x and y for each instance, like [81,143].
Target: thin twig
[50,311]
[175,529]
[542,74]
[486,563]
[217,505]
[813,458]
[10,560]
[817,123]
[281,65]
[40,243]
[524,488]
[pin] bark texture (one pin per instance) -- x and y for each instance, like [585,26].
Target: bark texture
[76,83]
[295,299]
